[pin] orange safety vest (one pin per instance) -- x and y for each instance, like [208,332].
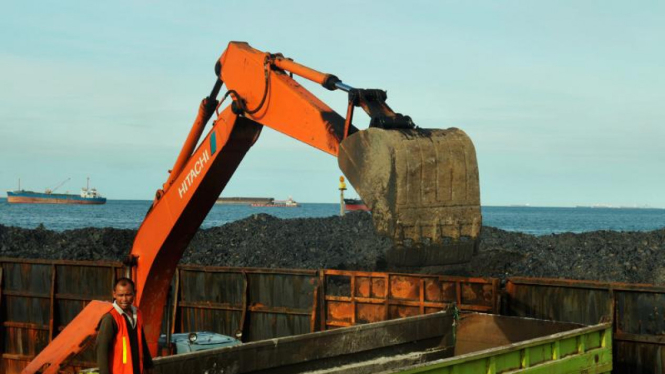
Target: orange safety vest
[120,357]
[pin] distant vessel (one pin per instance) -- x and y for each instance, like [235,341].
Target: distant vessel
[355,204]
[87,196]
[244,200]
[288,203]
[597,206]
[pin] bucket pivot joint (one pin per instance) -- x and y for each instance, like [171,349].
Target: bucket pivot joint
[373,102]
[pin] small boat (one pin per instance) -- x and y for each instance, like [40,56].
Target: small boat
[355,204]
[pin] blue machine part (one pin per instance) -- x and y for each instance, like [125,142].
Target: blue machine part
[198,341]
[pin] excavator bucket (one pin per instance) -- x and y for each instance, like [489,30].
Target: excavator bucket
[421,186]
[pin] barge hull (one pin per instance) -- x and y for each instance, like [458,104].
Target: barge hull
[18,198]
[28,200]
[270,303]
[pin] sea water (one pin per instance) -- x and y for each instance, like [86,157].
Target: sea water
[128,214]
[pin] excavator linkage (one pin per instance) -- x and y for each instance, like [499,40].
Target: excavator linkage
[421,186]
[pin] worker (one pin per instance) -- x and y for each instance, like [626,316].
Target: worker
[120,331]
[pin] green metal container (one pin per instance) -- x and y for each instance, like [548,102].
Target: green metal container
[582,350]
[443,342]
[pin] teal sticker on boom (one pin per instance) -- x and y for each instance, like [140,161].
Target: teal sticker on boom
[213,143]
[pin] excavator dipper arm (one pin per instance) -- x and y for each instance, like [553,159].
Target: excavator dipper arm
[421,185]
[264,91]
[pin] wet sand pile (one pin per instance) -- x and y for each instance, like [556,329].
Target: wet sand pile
[350,243]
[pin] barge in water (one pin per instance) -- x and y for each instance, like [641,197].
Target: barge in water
[244,200]
[288,203]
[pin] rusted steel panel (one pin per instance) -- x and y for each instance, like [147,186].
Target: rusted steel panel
[11,365]
[67,310]
[24,341]
[225,269]
[282,290]
[76,285]
[478,294]
[589,284]
[211,287]
[248,303]
[404,287]
[339,311]
[25,311]
[67,343]
[640,331]
[279,305]
[85,281]
[170,308]
[315,307]
[273,325]
[558,302]
[637,310]
[401,311]
[199,319]
[352,297]
[175,291]
[630,357]
[22,344]
[32,284]
[368,313]
[39,297]
[640,313]
[267,303]
[52,304]
[210,300]
[437,290]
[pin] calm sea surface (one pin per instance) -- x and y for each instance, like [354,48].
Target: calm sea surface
[128,214]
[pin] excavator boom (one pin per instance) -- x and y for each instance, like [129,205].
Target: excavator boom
[420,184]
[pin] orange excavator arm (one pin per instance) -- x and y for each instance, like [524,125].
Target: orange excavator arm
[263,92]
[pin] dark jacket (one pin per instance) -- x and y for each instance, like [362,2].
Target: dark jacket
[107,333]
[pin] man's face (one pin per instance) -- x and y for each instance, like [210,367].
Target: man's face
[124,296]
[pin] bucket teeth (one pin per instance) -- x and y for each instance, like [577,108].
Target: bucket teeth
[422,188]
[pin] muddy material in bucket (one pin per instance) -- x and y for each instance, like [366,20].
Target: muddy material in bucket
[422,188]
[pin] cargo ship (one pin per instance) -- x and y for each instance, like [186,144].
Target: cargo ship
[87,196]
[355,204]
[288,203]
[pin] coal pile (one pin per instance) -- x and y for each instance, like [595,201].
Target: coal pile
[89,244]
[262,240]
[610,256]
[350,243]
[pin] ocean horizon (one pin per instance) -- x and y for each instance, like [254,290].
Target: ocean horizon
[128,214]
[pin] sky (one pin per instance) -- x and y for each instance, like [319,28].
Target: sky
[562,99]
